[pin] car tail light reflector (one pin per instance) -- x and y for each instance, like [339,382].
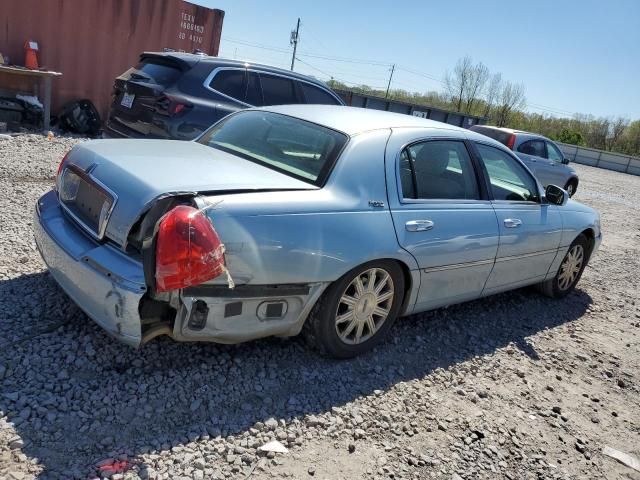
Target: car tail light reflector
[511,142]
[175,108]
[60,165]
[188,250]
[171,106]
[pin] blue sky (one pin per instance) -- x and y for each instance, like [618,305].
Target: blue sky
[572,55]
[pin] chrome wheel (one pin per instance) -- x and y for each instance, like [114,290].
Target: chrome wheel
[364,306]
[571,266]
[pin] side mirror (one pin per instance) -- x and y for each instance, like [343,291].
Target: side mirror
[565,160]
[556,195]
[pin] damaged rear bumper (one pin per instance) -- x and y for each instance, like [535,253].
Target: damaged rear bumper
[104,282]
[109,287]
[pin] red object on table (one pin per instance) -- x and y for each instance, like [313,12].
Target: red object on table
[30,57]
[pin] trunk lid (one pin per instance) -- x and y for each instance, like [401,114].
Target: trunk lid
[137,172]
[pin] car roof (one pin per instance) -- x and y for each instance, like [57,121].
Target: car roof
[512,130]
[192,59]
[355,120]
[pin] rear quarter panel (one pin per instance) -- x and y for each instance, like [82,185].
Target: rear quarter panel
[317,235]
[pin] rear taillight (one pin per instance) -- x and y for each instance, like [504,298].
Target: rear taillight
[188,250]
[511,142]
[60,166]
[168,105]
[176,108]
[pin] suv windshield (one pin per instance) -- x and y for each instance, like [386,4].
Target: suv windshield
[298,148]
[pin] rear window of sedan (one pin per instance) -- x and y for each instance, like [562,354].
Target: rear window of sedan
[289,145]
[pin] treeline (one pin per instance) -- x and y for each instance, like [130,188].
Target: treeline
[472,89]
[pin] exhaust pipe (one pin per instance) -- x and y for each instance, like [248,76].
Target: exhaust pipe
[157,330]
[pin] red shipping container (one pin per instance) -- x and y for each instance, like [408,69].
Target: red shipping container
[93,41]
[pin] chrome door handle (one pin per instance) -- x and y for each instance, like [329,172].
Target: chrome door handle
[512,222]
[418,225]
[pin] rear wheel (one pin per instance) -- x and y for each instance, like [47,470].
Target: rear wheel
[357,311]
[571,187]
[570,270]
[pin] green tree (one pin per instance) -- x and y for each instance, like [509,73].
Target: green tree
[569,136]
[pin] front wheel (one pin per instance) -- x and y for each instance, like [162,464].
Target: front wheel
[571,187]
[570,270]
[357,311]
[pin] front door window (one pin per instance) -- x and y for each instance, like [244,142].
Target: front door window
[509,180]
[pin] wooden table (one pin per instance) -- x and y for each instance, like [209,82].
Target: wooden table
[44,75]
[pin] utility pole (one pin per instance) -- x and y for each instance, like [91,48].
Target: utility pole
[294,41]
[393,67]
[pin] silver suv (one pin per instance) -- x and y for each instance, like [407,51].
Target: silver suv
[541,155]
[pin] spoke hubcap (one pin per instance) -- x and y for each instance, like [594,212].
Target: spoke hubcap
[364,306]
[570,267]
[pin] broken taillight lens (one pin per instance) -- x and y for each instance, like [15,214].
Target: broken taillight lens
[188,250]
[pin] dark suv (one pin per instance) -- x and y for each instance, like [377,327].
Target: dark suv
[179,95]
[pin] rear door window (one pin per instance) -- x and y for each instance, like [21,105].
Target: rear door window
[277,90]
[533,147]
[438,169]
[317,95]
[509,180]
[160,73]
[254,90]
[230,82]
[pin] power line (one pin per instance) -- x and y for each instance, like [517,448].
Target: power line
[538,106]
[357,61]
[257,45]
[343,59]
[314,68]
[315,39]
[342,73]
[422,74]
[308,54]
[329,75]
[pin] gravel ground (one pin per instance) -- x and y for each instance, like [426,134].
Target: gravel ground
[514,386]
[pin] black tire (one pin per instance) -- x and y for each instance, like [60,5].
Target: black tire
[320,329]
[554,287]
[571,187]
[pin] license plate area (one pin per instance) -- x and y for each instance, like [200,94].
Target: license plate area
[127,100]
[88,201]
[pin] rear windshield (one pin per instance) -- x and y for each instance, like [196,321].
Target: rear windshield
[292,146]
[157,72]
[499,135]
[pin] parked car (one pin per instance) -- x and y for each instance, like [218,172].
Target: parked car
[335,221]
[179,95]
[541,155]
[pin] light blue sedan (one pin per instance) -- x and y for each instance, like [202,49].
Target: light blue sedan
[330,220]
